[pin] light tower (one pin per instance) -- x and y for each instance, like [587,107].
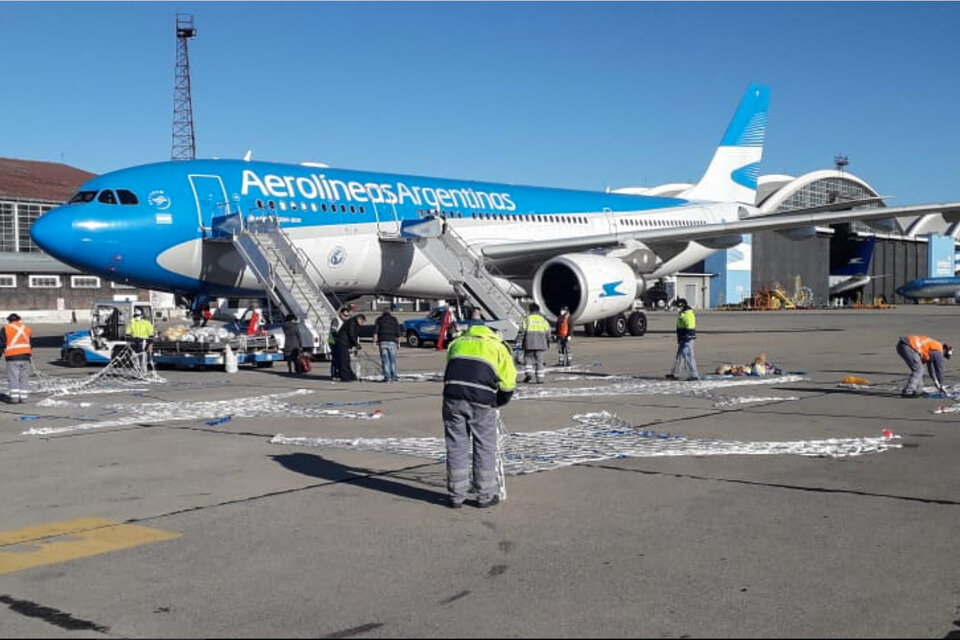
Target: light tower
[840,162]
[184,143]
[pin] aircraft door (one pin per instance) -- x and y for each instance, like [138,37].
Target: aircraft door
[388,220]
[611,220]
[211,199]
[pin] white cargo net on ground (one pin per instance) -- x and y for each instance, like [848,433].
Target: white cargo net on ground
[125,372]
[950,392]
[628,385]
[599,436]
[215,412]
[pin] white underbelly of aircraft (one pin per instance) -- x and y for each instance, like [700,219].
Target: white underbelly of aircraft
[356,263]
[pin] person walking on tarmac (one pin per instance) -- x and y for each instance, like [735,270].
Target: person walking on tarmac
[686,334]
[563,337]
[534,337]
[141,330]
[15,340]
[479,378]
[919,351]
[348,337]
[292,345]
[386,335]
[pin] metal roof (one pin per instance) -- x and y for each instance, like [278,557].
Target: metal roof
[35,180]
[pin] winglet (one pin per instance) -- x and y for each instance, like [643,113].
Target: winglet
[732,174]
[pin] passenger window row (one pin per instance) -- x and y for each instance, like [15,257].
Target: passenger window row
[310,206]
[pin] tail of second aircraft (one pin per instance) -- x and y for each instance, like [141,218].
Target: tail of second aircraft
[732,174]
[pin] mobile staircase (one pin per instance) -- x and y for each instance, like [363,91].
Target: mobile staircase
[466,270]
[289,277]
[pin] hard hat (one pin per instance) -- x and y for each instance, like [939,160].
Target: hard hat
[138,313]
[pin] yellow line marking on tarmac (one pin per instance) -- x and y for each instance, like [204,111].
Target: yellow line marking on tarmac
[69,540]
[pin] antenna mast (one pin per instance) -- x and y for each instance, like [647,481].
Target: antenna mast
[184,142]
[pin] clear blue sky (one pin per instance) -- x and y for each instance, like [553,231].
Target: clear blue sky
[580,95]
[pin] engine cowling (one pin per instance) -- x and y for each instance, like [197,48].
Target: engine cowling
[591,285]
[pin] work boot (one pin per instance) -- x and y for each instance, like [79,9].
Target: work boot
[495,500]
[670,376]
[454,503]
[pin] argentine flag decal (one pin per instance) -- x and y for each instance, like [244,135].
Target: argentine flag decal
[610,289]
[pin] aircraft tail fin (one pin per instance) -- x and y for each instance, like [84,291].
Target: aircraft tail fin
[732,174]
[851,256]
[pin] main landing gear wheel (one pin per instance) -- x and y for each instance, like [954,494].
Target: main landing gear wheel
[616,326]
[637,323]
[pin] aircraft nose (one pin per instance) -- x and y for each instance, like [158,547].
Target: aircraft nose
[52,232]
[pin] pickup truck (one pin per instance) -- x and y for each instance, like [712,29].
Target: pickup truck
[427,329]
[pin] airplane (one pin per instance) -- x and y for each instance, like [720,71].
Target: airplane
[850,257]
[935,287]
[594,252]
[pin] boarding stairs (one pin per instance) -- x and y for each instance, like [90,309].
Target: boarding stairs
[466,270]
[289,277]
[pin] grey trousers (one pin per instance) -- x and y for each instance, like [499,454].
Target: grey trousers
[685,360]
[18,379]
[912,358]
[465,422]
[533,364]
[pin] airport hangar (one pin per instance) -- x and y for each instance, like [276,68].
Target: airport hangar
[39,286]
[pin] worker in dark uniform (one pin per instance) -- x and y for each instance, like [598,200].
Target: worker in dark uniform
[348,338]
[480,377]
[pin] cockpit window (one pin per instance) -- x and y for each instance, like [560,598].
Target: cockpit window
[82,196]
[107,197]
[127,197]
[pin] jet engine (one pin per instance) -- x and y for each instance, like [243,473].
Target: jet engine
[592,286]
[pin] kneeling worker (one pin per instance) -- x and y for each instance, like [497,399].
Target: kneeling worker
[479,377]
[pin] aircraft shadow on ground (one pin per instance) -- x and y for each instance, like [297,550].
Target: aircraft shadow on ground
[318,467]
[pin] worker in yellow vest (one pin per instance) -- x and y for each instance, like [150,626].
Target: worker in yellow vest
[479,378]
[142,332]
[534,337]
[18,353]
[686,334]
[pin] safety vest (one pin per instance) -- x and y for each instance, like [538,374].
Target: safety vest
[534,323]
[140,328]
[18,340]
[924,345]
[479,363]
[563,326]
[686,325]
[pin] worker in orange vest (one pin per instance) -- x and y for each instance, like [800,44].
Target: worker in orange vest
[563,337]
[919,351]
[18,352]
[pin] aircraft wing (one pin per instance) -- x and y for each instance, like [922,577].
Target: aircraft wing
[798,218]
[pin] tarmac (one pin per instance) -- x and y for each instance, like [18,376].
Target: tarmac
[264,504]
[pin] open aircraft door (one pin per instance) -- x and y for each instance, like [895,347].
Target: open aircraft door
[388,221]
[211,199]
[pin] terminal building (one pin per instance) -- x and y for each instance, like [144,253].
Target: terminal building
[806,260]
